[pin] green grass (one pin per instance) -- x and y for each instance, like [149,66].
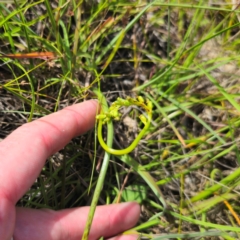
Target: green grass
[182,57]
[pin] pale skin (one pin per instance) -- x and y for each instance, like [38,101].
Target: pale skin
[22,156]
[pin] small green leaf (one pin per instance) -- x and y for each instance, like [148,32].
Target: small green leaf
[136,193]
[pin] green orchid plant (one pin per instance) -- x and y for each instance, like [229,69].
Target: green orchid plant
[114,114]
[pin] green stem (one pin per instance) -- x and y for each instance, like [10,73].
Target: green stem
[102,172]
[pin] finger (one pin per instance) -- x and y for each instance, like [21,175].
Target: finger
[125,237]
[23,153]
[69,224]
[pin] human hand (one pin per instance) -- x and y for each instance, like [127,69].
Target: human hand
[23,154]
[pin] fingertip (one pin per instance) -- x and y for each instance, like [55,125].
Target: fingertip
[115,219]
[132,209]
[96,103]
[125,237]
